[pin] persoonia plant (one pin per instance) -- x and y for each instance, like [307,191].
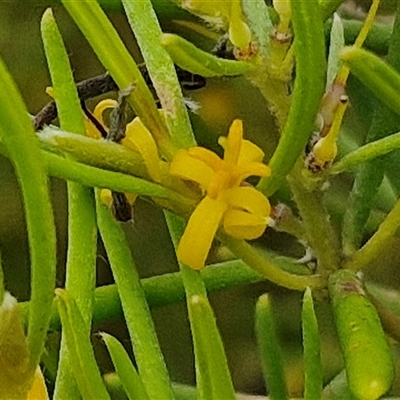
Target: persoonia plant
[109,161]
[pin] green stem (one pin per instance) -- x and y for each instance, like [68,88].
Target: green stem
[82,232]
[148,355]
[321,236]
[18,137]
[378,242]
[145,26]
[308,90]
[267,268]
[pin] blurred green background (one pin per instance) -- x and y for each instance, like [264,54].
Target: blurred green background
[221,101]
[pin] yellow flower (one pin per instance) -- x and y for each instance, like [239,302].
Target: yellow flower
[227,13]
[229,201]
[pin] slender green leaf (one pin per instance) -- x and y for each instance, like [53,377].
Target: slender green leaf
[84,367]
[257,15]
[376,74]
[127,373]
[307,93]
[187,56]
[138,319]
[90,176]
[338,389]
[82,238]
[270,350]
[147,30]
[168,288]
[336,43]
[213,377]
[312,349]
[365,153]
[376,245]
[16,132]
[214,381]
[113,54]
[369,177]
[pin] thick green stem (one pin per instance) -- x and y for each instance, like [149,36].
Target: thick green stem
[321,236]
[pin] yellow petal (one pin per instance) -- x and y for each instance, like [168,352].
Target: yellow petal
[243,225]
[91,130]
[249,199]
[252,169]
[200,231]
[207,156]
[234,142]
[249,152]
[131,197]
[186,167]
[38,389]
[101,107]
[139,138]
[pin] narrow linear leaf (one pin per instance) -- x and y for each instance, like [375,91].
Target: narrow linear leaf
[312,349]
[161,69]
[257,14]
[270,350]
[212,373]
[335,45]
[377,75]
[187,56]
[138,319]
[82,237]
[308,90]
[365,153]
[214,381]
[338,389]
[90,176]
[84,367]
[378,242]
[127,373]
[168,288]
[16,133]
[113,54]
[369,176]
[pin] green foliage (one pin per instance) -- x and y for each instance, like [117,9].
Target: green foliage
[281,50]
